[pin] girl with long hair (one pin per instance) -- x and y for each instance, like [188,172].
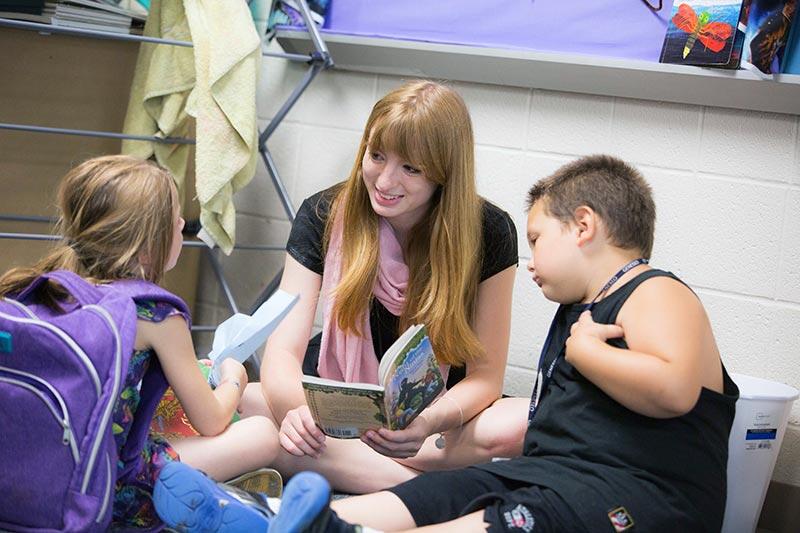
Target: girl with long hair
[404,240]
[120,220]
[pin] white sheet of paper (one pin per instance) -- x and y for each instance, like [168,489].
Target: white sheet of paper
[241,335]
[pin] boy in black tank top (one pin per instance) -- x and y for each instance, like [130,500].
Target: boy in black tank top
[632,408]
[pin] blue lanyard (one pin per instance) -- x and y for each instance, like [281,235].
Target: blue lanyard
[543,379]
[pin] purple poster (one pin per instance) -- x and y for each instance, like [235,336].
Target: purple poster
[609,28]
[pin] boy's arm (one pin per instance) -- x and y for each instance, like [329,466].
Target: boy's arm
[669,356]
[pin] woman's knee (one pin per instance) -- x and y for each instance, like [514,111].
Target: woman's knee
[262,435]
[505,442]
[253,402]
[500,431]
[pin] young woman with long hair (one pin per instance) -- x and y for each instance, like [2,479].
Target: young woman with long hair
[404,240]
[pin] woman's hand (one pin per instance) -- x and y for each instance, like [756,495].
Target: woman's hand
[299,434]
[401,443]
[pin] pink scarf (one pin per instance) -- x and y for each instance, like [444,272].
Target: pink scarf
[346,356]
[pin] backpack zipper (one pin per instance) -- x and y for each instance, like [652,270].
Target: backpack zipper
[114,393]
[107,494]
[68,438]
[92,371]
[69,342]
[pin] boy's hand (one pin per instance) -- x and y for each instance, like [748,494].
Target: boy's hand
[400,443]
[586,334]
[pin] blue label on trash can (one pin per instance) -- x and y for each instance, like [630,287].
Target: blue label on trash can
[762,434]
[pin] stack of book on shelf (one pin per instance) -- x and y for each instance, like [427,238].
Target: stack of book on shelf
[83,14]
[748,34]
[27,10]
[89,15]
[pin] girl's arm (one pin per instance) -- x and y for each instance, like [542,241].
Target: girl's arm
[281,367]
[483,383]
[209,411]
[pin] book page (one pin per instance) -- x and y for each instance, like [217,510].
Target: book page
[241,335]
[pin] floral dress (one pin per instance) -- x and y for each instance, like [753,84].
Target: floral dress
[133,504]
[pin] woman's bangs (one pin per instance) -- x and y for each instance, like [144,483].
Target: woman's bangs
[399,135]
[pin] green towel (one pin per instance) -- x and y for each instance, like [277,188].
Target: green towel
[215,82]
[227,59]
[163,79]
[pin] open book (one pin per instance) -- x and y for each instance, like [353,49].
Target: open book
[241,335]
[409,380]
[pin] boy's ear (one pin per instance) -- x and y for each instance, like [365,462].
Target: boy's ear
[585,224]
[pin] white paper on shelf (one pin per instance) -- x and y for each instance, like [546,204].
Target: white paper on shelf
[241,335]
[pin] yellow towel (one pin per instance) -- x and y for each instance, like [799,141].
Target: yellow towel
[215,83]
[162,81]
[227,58]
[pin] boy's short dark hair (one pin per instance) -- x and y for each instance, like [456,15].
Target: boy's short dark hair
[612,188]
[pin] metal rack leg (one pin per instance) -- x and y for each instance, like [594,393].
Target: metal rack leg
[280,188]
[309,76]
[266,293]
[271,287]
[315,68]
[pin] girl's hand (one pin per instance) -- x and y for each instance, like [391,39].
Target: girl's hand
[299,434]
[586,334]
[231,369]
[401,443]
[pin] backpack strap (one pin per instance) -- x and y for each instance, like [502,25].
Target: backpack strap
[140,290]
[84,292]
[154,383]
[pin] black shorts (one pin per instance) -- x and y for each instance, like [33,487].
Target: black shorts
[508,505]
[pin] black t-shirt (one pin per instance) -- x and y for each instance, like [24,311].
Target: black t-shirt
[499,241]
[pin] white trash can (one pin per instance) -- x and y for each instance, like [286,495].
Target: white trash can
[761,416]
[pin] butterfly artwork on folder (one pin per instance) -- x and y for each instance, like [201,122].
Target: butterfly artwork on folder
[701,32]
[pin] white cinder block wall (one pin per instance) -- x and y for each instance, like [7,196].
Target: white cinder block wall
[727,187]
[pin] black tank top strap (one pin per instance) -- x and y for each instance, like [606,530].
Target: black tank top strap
[606,310]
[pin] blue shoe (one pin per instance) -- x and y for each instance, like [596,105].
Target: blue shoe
[304,506]
[187,500]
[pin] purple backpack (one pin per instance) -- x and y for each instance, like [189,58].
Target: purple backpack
[60,377]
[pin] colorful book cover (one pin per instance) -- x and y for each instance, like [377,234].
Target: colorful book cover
[768,27]
[409,378]
[413,381]
[738,42]
[701,32]
[791,57]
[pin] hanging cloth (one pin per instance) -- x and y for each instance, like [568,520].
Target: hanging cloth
[215,82]
[163,79]
[227,59]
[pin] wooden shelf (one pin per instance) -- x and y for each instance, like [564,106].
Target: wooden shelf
[737,89]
